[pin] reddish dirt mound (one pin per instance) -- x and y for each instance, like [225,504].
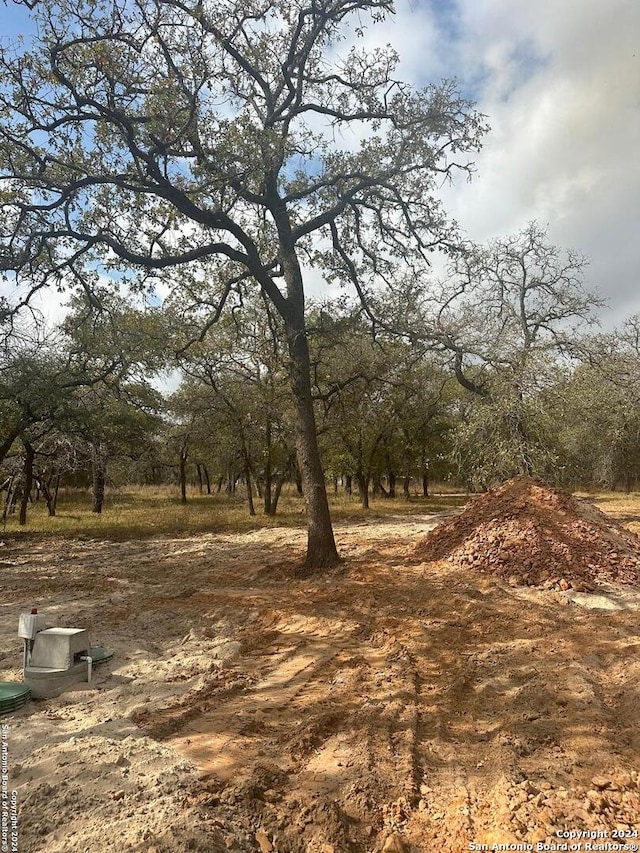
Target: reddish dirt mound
[528,532]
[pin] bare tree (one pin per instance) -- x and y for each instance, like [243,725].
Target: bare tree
[507,314]
[504,305]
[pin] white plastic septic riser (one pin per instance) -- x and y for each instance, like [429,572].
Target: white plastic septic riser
[55,658]
[28,626]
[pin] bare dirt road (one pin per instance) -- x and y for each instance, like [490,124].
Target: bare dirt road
[392,705]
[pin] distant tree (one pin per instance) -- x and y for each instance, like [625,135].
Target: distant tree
[196,141]
[381,400]
[601,411]
[357,413]
[425,424]
[38,384]
[511,318]
[115,422]
[83,382]
[505,433]
[237,387]
[56,455]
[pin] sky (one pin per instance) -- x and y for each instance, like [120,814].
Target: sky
[559,82]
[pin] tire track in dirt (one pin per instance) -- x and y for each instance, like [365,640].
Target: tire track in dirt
[396,703]
[330,726]
[442,806]
[228,740]
[353,723]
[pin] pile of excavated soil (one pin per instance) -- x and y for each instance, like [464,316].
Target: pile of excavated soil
[530,533]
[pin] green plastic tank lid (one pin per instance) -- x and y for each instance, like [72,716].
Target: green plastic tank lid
[12,696]
[100,655]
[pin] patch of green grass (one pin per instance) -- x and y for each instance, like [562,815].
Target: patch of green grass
[136,512]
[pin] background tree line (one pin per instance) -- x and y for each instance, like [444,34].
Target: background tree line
[501,377]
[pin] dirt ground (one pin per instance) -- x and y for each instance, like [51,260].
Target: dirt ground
[392,705]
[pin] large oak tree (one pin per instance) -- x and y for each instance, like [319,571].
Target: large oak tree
[218,145]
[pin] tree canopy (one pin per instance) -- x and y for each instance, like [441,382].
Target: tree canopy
[219,145]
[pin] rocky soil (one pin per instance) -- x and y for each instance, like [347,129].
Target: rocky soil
[530,533]
[398,703]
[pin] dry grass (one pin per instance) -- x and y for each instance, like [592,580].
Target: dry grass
[623,508]
[136,512]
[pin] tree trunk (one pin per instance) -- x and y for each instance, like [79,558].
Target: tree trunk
[363,486]
[247,470]
[219,485]
[206,479]
[280,481]
[392,484]
[184,452]
[406,482]
[199,474]
[377,485]
[276,494]
[15,497]
[99,476]
[48,498]
[7,503]
[55,494]
[232,479]
[425,473]
[348,486]
[247,476]
[267,469]
[321,546]
[5,447]
[28,480]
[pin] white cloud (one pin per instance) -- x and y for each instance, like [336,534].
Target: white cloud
[414,33]
[46,304]
[560,84]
